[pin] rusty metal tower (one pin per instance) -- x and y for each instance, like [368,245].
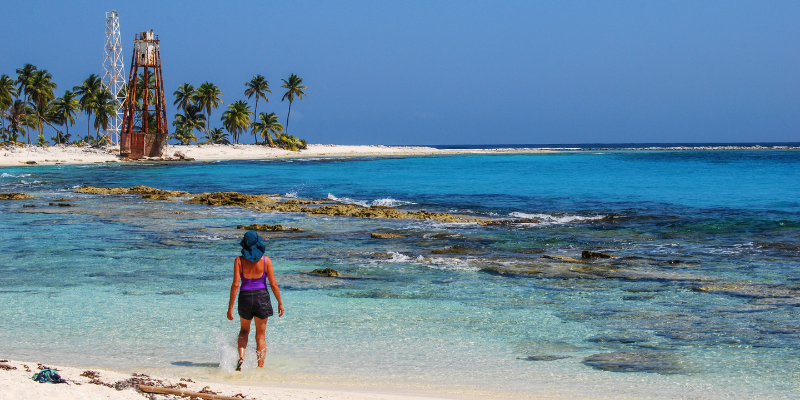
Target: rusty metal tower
[114,73]
[144,124]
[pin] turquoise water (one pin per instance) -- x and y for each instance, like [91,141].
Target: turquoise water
[701,299]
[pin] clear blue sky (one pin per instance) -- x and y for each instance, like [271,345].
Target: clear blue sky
[458,72]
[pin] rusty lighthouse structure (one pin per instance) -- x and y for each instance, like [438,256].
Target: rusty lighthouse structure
[144,123]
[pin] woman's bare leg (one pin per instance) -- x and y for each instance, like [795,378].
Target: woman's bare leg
[261,340]
[244,332]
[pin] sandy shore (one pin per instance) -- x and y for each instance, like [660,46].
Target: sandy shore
[17,384]
[21,156]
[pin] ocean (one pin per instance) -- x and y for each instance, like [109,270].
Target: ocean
[699,301]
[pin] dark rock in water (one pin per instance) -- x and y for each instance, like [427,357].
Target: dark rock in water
[457,249]
[562,258]
[617,339]
[376,235]
[62,199]
[31,162]
[546,357]
[636,361]
[381,255]
[14,196]
[330,272]
[508,222]
[594,254]
[28,205]
[62,204]
[268,228]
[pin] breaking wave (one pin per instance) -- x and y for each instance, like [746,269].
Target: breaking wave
[556,219]
[387,202]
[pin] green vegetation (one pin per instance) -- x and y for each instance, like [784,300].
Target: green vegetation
[28,103]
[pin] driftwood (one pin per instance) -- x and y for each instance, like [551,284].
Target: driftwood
[185,393]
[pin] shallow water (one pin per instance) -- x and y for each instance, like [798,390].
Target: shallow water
[700,300]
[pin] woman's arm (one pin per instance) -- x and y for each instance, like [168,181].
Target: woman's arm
[274,285]
[237,267]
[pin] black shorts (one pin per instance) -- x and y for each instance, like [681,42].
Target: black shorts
[255,303]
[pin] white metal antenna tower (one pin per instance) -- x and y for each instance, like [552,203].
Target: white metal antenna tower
[114,73]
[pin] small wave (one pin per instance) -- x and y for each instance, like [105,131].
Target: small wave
[554,219]
[291,194]
[24,182]
[7,175]
[387,202]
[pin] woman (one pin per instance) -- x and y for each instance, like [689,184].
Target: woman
[253,269]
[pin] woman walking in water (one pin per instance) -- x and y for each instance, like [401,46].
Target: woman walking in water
[253,269]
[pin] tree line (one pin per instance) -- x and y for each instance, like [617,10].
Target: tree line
[239,118]
[28,103]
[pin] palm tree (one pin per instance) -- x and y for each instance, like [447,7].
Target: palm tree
[87,91]
[23,77]
[7,94]
[184,135]
[40,89]
[66,107]
[19,116]
[267,126]
[184,96]
[259,87]
[216,135]
[104,106]
[294,88]
[190,120]
[237,119]
[207,96]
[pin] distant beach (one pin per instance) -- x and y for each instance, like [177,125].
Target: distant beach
[15,155]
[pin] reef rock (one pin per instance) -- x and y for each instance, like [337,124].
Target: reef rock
[329,272]
[562,258]
[231,199]
[148,193]
[457,249]
[268,228]
[594,254]
[376,235]
[62,204]
[14,196]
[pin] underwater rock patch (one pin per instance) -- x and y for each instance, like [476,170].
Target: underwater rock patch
[546,357]
[62,204]
[594,254]
[268,228]
[658,362]
[376,235]
[14,196]
[329,272]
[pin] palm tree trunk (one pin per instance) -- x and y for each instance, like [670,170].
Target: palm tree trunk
[287,117]
[89,125]
[255,118]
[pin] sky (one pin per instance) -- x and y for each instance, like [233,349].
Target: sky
[456,72]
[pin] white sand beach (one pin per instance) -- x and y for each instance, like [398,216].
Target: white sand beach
[16,383]
[20,156]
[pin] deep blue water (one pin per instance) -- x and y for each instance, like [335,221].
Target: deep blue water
[700,300]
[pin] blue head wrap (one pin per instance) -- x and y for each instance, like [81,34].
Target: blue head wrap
[252,246]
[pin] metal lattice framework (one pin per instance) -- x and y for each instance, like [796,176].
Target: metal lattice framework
[114,73]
